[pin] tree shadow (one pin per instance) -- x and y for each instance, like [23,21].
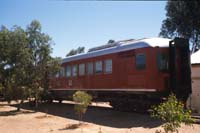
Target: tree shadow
[15,112]
[98,115]
[4,104]
[70,127]
[74,126]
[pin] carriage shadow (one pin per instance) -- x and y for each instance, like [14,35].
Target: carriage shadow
[98,115]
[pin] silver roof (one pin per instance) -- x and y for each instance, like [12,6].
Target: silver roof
[122,46]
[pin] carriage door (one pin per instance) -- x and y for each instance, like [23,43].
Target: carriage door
[179,66]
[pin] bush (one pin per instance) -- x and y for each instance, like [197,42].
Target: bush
[82,100]
[173,113]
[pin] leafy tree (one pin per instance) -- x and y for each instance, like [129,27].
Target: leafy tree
[25,62]
[52,68]
[40,49]
[4,37]
[20,60]
[1,89]
[82,100]
[183,21]
[111,41]
[173,113]
[76,51]
[13,63]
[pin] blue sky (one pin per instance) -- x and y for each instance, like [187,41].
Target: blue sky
[76,23]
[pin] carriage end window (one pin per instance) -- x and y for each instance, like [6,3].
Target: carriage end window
[162,62]
[140,61]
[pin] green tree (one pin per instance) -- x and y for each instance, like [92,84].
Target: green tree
[13,63]
[4,37]
[82,100]
[182,20]
[76,51]
[20,60]
[173,113]
[52,68]
[25,62]
[111,41]
[40,49]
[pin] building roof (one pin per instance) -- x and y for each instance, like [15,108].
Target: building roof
[121,46]
[195,57]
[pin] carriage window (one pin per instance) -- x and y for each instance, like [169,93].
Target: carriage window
[162,62]
[90,68]
[74,70]
[108,66]
[61,72]
[81,69]
[68,71]
[140,61]
[98,67]
[56,74]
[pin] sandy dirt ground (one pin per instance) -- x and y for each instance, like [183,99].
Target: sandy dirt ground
[60,118]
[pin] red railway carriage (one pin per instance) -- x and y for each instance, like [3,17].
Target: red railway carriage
[128,72]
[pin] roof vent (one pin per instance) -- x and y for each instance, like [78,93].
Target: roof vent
[108,45]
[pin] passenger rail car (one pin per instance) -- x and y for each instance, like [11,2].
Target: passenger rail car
[129,74]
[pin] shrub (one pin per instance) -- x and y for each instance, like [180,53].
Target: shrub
[173,113]
[82,100]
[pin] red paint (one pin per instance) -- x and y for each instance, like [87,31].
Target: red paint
[124,73]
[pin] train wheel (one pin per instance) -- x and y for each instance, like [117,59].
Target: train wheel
[135,105]
[60,101]
[50,101]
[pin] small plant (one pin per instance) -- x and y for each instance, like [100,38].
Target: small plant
[100,131]
[173,113]
[82,100]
